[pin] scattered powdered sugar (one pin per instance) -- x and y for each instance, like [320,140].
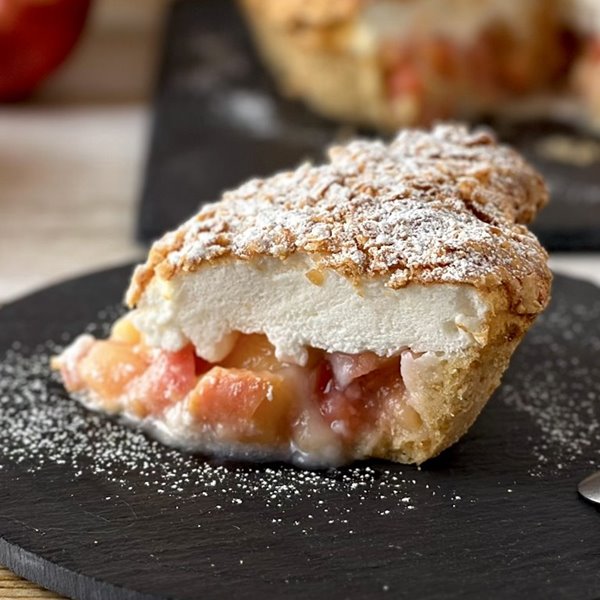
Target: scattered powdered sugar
[560,390]
[41,427]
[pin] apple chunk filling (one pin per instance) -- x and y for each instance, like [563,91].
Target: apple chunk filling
[337,406]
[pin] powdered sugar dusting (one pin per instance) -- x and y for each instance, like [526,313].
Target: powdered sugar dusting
[430,206]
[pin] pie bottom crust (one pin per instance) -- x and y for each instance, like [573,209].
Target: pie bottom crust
[450,393]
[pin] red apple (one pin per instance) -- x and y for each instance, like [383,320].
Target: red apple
[35,37]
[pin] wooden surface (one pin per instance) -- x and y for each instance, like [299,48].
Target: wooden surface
[70,163]
[16,588]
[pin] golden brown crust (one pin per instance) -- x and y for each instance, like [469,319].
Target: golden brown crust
[431,207]
[449,393]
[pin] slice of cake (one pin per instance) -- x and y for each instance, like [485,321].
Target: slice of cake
[364,307]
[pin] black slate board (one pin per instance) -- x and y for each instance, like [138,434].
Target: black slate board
[93,510]
[219,121]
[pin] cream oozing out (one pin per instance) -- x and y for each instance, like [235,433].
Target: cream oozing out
[296,306]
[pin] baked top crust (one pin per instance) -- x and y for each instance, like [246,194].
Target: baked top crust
[440,206]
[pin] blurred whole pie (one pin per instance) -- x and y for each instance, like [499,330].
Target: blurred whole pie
[391,63]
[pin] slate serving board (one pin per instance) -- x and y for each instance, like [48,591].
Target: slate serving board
[218,121]
[91,509]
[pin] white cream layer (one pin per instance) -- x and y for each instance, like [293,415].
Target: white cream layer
[275,297]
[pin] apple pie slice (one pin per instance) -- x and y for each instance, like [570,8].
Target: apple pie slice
[366,307]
